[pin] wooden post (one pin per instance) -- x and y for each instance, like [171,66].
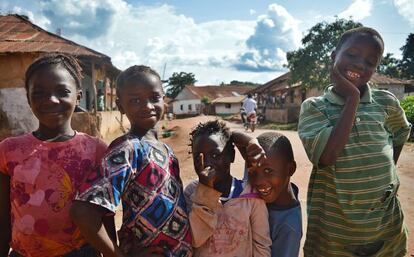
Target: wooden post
[95,93]
[112,94]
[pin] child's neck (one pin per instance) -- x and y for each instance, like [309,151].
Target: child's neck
[59,134]
[141,133]
[286,198]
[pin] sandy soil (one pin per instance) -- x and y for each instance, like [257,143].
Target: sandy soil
[180,144]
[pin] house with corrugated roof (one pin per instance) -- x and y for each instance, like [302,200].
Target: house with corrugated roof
[194,100]
[21,42]
[280,102]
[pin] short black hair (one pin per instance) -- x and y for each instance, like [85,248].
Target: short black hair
[135,72]
[360,31]
[273,141]
[69,62]
[249,95]
[211,128]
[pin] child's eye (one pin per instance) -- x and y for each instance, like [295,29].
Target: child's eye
[64,93]
[156,98]
[267,171]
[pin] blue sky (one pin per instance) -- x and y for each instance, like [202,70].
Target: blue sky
[217,40]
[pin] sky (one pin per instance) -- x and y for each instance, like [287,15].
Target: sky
[217,40]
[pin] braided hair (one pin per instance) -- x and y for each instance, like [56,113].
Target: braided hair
[68,62]
[211,128]
[135,72]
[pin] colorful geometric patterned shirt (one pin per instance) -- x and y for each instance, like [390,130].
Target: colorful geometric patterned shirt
[353,208]
[44,180]
[149,185]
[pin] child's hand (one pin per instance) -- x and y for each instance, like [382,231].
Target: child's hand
[255,153]
[153,251]
[343,86]
[206,175]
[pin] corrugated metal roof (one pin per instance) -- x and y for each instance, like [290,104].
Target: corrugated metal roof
[18,35]
[229,99]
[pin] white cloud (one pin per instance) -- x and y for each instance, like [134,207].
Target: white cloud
[157,34]
[276,33]
[406,9]
[358,10]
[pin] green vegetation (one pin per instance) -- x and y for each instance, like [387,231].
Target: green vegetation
[278,126]
[177,82]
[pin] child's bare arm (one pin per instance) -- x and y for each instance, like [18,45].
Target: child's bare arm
[340,132]
[397,152]
[5,221]
[248,146]
[89,219]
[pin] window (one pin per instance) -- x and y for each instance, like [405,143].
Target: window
[190,107]
[181,107]
[227,106]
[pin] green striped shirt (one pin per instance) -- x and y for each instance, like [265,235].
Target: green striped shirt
[352,205]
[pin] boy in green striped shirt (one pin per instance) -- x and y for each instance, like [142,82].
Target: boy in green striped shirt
[354,135]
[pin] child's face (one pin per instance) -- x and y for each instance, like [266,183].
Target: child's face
[272,177]
[216,154]
[52,96]
[143,102]
[358,58]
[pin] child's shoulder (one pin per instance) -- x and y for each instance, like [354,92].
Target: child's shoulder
[384,97]
[90,139]
[17,140]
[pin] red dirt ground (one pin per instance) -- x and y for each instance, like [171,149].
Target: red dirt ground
[179,142]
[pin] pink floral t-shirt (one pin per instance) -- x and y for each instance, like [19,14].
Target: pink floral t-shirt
[44,179]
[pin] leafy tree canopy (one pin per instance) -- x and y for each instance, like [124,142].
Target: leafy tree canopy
[178,81]
[407,60]
[310,64]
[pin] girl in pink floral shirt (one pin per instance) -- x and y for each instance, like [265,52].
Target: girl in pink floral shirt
[40,172]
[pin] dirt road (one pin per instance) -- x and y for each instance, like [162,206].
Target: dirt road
[179,142]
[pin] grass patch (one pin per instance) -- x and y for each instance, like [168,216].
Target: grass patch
[278,126]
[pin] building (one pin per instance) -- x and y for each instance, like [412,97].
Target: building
[194,100]
[228,105]
[281,102]
[21,42]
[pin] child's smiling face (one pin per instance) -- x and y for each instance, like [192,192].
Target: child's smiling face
[358,58]
[142,101]
[272,177]
[52,95]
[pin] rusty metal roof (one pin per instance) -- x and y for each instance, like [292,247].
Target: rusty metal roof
[18,35]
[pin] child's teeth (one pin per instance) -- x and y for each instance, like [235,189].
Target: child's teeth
[353,75]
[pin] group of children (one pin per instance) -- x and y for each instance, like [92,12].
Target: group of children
[59,188]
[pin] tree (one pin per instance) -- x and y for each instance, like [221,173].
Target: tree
[178,81]
[310,64]
[407,60]
[243,83]
[390,66]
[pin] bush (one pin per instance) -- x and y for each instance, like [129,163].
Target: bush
[408,105]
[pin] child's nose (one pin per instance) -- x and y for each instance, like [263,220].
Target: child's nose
[53,99]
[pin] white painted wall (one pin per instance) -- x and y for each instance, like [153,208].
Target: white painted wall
[221,108]
[195,106]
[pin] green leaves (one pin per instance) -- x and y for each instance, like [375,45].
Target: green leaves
[310,64]
[178,81]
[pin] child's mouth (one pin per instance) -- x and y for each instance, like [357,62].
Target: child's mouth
[352,75]
[265,191]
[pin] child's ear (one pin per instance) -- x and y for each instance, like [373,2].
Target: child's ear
[118,104]
[292,168]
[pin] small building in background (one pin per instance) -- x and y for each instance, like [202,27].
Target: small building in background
[281,102]
[195,100]
[21,42]
[228,105]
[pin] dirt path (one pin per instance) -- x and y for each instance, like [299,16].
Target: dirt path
[179,142]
